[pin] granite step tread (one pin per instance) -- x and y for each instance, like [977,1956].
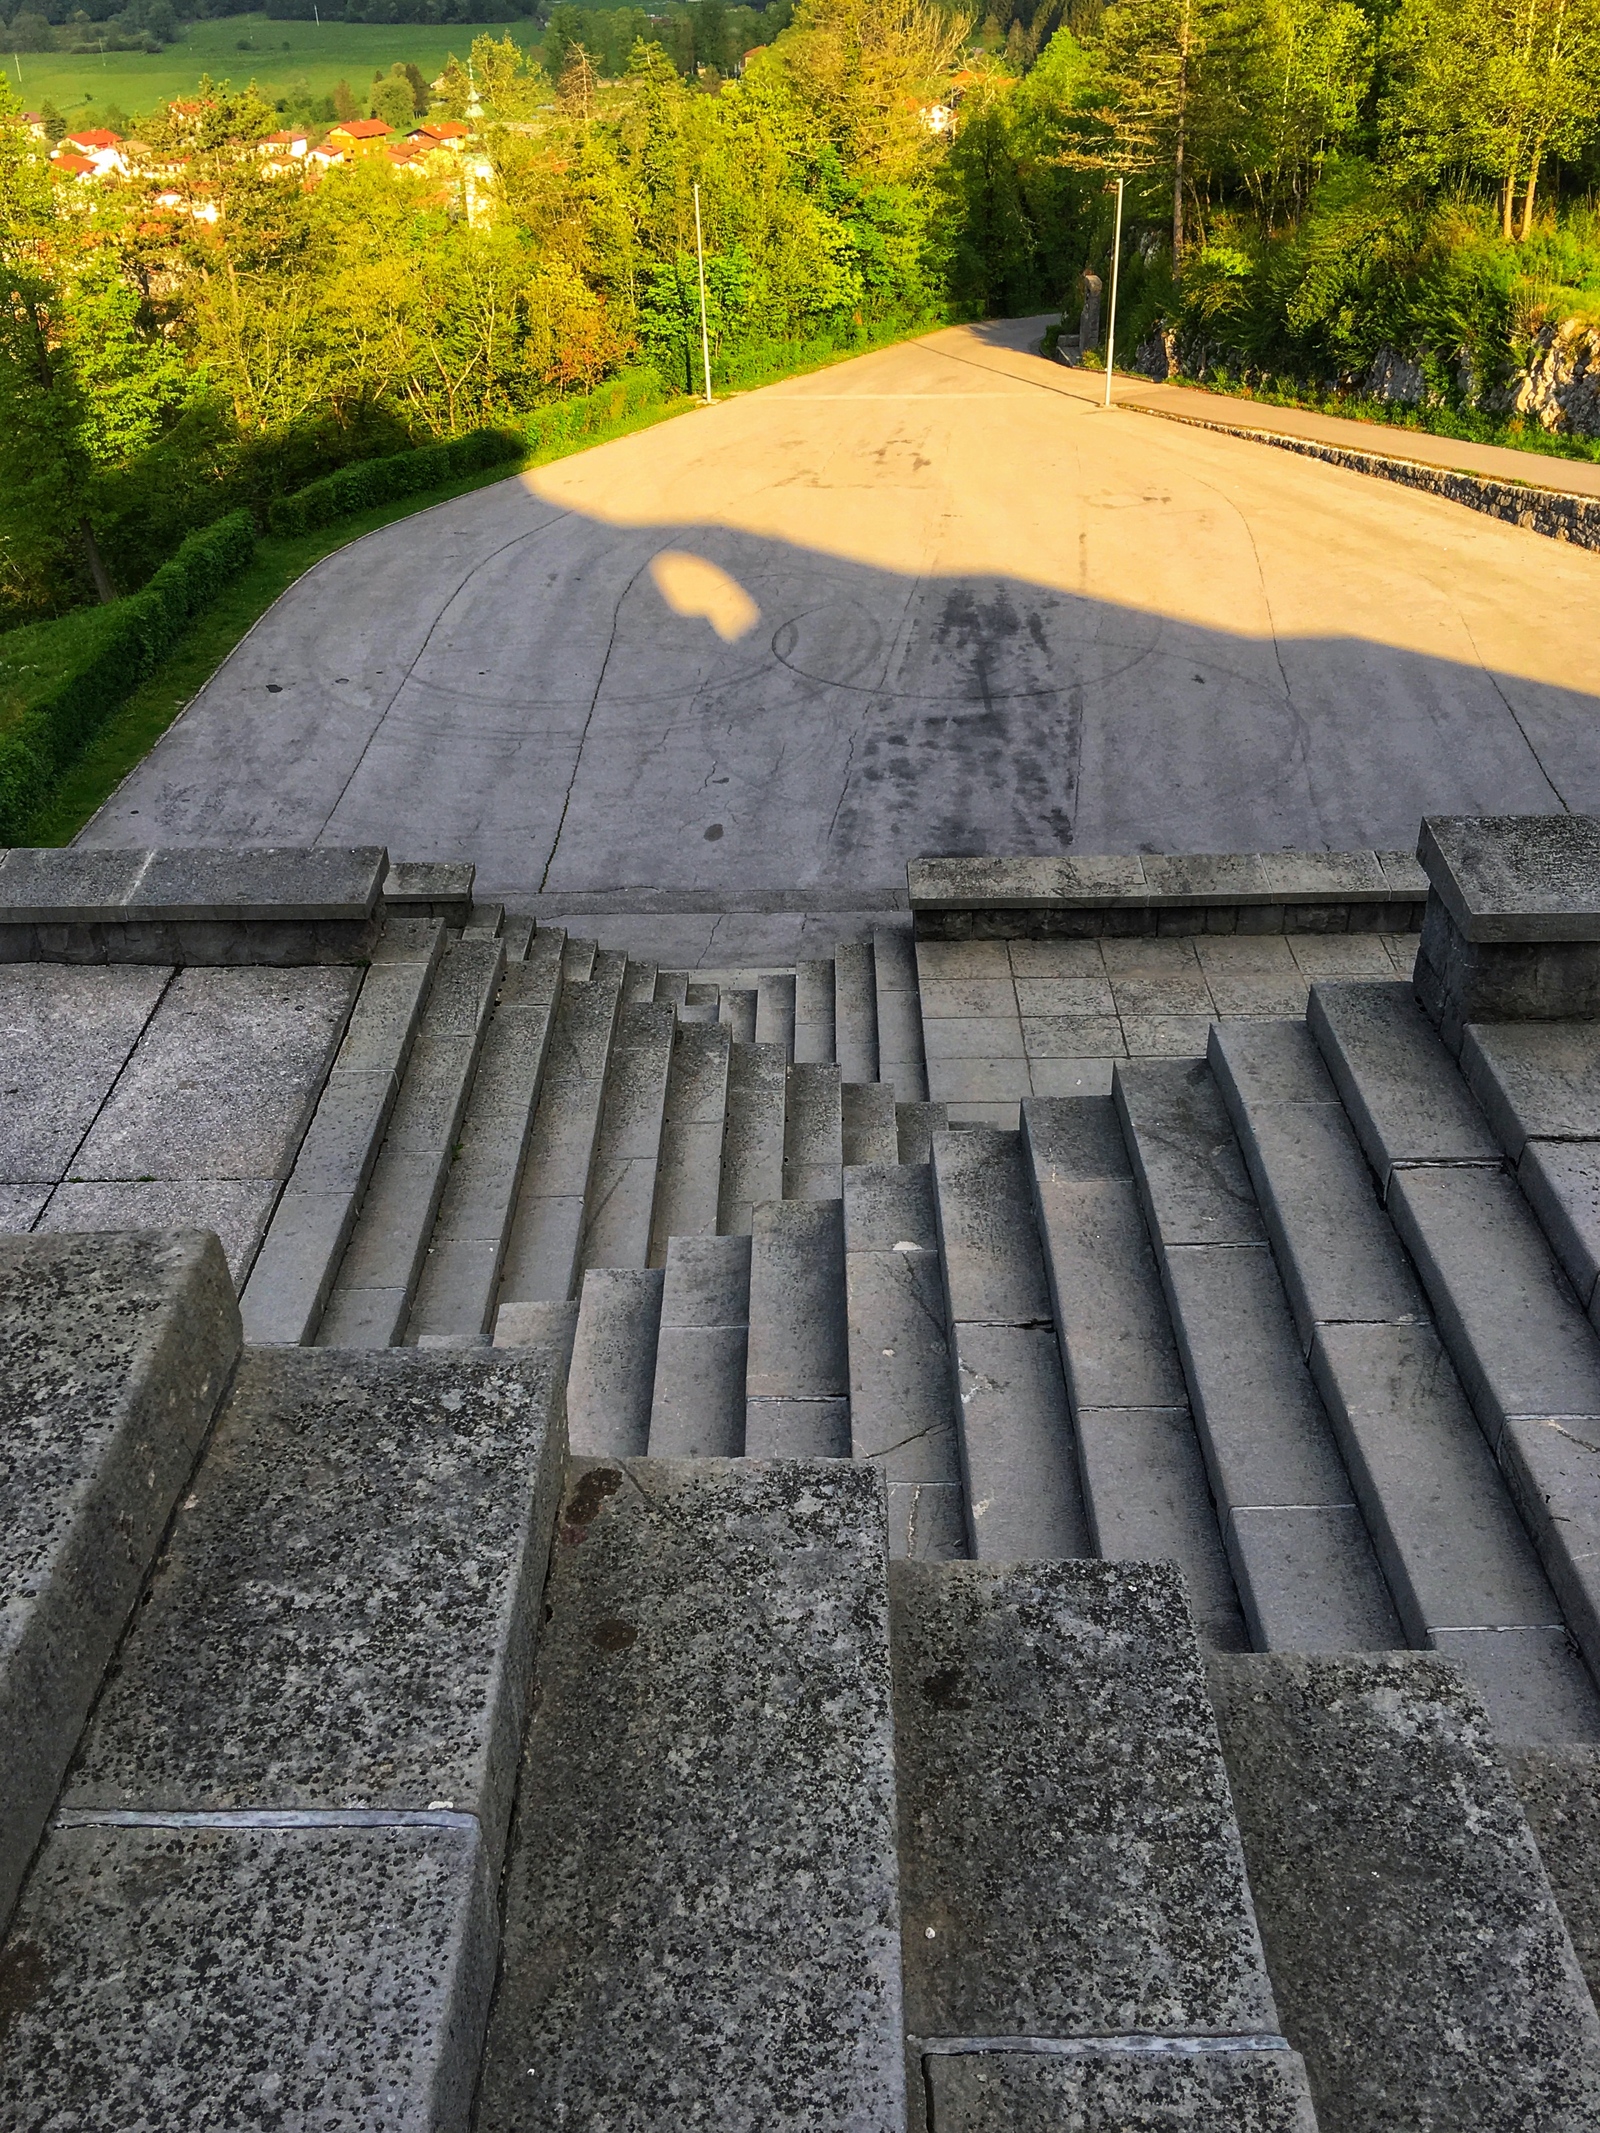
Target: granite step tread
[752,1140]
[813,1013]
[377,1278]
[869,1125]
[702,1923]
[541,1261]
[1539,1085]
[1463,1573]
[697,1404]
[797,1373]
[461,1274]
[622,1181]
[855,1010]
[775,1011]
[901,1060]
[287,1291]
[1145,1489]
[1303,1563]
[612,1374]
[1018,1456]
[689,1173]
[813,1132]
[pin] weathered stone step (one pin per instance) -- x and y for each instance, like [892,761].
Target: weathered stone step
[689,1175]
[377,1277]
[1459,1564]
[813,1014]
[737,1013]
[541,1263]
[1071,1870]
[639,983]
[1303,1563]
[287,1291]
[775,1012]
[672,987]
[915,1126]
[701,1918]
[578,961]
[697,1407]
[900,1053]
[1390,1071]
[797,1372]
[117,1352]
[1420,1963]
[622,1178]
[855,1011]
[1144,1478]
[752,1140]
[813,1133]
[612,1374]
[869,1128]
[902,1388]
[1018,1459]
[270,1891]
[461,1274]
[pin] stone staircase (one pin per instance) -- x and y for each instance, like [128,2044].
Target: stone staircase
[692,1588]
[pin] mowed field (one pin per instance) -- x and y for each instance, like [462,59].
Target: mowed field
[281,57]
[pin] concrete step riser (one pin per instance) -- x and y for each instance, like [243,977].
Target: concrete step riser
[797,1373]
[612,1374]
[697,1406]
[622,1182]
[689,1174]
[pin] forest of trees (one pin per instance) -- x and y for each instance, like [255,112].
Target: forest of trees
[1311,184]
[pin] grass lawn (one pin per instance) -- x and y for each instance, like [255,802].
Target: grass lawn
[282,56]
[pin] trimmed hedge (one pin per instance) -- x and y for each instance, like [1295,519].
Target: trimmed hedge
[57,726]
[635,392]
[370,482]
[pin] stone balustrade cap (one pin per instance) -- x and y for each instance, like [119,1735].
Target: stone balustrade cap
[200,884]
[1138,881]
[429,881]
[1516,877]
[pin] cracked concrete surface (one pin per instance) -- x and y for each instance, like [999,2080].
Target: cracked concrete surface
[988,616]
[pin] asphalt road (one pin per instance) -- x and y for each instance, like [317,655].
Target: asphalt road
[933,600]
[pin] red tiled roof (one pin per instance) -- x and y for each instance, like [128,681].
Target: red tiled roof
[74,166]
[97,137]
[444,130]
[361,129]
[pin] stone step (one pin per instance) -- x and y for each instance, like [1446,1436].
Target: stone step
[902,1391]
[1303,1564]
[900,1055]
[578,960]
[1390,1071]
[1144,1478]
[1539,1085]
[775,1011]
[1460,1566]
[541,1262]
[701,1918]
[869,1128]
[813,1014]
[283,1834]
[287,1291]
[1018,1459]
[639,984]
[752,1140]
[813,1133]
[855,1011]
[702,993]
[738,1013]
[613,1370]
[915,1126]
[485,922]
[117,1352]
[518,932]
[377,1278]
[700,1011]
[797,1374]
[672,986]
[1457,2005]
[689,1175]
[1050,1715]
[622,1181]
[461,1274]
[697,1405]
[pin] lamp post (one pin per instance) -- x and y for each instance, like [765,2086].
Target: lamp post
[1115,185]
[700,261]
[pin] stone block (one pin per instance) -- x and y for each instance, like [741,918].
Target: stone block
[1535,1080]
[289,1284]
[902,1413]
[1460,981]
[1405,874]
[21,1206]
[799,1345]
[1515,878]
[65,1036]
[1072,1036]
[1324,876]
[1076,996]
[927,1521]
[344,1616]
[117,1350]
[1534,1684]
[994,1270]
[1395,1079]
[1191,1175]
[235,1208]
[1308,1580]
[978,1081]
[221,1977]
[1019,1457]
[1192,2086]
[702,1926]
[411,884]
[1561,1182]
[66,887]
[1069,1860]
[1068,959]
[868,1129]
[752,1137]
[802,1427]
[1024,884]
[973,1037]
[538,1324]
[1457,2004]
[1071,1077]
[245,883]
[1207,877]
[613,1370]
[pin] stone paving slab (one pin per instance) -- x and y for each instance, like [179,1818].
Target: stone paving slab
[344,1617]
[702,1925]
[1105,2091]
[697,1407]
[219,1978]
[1019,1460]
[237,1209]
[117,1350]
[1456,2005]
[1070,1865]
[65,1036]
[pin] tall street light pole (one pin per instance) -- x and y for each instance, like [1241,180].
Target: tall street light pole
[1116,261]
[700,259]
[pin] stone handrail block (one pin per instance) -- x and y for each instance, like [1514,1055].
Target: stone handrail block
[426,888]
[1516,877]
[1142,881]
[68,887]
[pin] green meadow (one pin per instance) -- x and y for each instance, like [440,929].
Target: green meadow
[278,56]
